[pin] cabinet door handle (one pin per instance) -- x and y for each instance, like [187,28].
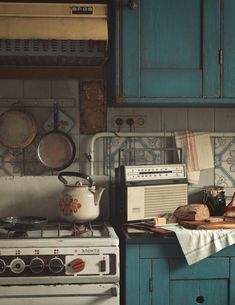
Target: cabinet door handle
[150,284]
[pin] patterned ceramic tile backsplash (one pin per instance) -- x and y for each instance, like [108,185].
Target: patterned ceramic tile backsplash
[225,161]
[137,151]
[37,97]
[194,119]
[130,151]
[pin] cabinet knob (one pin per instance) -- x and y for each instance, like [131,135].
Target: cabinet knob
[132,4]
[200,299]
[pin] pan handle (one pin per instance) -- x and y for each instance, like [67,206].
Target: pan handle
[74,174]
[55,116]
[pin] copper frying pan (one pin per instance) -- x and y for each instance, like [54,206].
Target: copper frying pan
[17,129]
[56,150]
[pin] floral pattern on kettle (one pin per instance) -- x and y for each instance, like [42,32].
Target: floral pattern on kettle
[69,205]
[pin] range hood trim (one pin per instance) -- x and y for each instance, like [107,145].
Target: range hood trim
[33,24]
[53,28]
[40,9]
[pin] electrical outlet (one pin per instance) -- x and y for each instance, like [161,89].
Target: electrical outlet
[122,121]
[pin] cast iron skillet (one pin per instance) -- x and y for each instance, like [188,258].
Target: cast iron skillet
[25,223]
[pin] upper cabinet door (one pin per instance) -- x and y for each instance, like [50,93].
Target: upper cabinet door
[170,49]
[229,49]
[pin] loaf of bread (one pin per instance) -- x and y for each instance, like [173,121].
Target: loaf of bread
[192,212]
[230,212]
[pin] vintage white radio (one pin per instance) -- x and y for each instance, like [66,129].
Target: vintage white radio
[149,191]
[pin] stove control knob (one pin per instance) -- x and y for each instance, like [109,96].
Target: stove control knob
[77,265]
[17,265]
[2,266]
[56,265]
[36,265]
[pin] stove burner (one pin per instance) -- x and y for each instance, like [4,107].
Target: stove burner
[79,229]
[17,234]
[85,228]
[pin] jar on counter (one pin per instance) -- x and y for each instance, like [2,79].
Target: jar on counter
[214,198]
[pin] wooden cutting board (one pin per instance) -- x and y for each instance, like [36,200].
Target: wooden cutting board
[149,228]
[207,225]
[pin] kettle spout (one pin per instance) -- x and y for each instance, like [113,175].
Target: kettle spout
[98,194]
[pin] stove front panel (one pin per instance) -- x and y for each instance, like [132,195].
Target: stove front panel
[59,265]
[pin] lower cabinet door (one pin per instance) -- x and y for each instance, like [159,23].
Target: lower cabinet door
[145,282]
[194,292]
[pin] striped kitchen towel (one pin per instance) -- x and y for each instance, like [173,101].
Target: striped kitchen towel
[199,244]
[197,152]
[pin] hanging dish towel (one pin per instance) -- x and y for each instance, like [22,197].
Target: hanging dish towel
[199,244]
[196,152]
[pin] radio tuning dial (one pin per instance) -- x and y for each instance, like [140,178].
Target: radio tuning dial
[56,265]
[2,266]
[36,265]
[17,265]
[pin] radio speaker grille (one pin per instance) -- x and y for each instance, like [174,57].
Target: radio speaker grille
[164,199]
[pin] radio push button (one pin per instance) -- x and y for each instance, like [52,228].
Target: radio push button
[17,265]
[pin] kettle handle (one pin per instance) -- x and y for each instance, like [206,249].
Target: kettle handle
[74,174]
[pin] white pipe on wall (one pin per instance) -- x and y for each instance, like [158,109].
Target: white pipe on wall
[99,135]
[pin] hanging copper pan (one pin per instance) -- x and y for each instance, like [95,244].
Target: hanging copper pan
[17,129]
[56,150]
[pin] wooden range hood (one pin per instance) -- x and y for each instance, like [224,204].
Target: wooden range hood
[59,40]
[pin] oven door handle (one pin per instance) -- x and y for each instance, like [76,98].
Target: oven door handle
[113,293]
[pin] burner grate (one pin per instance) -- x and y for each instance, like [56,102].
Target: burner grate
[60,230]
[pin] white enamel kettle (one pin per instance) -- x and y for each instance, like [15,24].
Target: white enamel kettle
[79,202]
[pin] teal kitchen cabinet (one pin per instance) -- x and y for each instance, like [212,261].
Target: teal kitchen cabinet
[170,49]
[228,37]
[175,51]
[156,273]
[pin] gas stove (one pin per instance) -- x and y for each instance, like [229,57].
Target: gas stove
[60,253]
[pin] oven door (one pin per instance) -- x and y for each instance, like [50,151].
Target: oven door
[83,294]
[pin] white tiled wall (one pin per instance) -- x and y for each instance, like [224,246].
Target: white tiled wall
[36,195]
[11,88]
[37,89]
[37,96]
[174,119]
